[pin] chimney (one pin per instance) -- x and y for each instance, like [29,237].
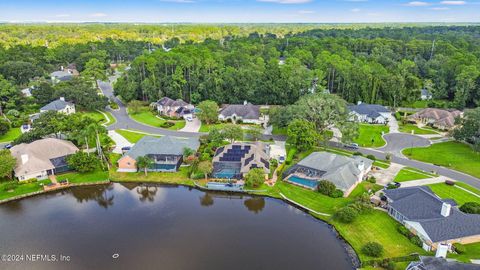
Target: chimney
[446,208]
[62,98]
[442,250]
[361,166]
[24,158]
[61,68]
[245,102]
[359,102]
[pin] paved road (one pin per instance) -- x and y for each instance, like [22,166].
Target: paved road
[455,175]
[396,142]
[125,122]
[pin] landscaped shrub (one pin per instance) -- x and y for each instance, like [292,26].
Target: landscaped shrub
[372,179]
[416,241]
[326,187]
[10,186]
[28,181]
[357,154]
[372,157]
[4,126]
[372,249]
[459,248]
[387,264]
[167,124]
[346,214]
[470,208]
[388,156]
[403,230]
[337,193]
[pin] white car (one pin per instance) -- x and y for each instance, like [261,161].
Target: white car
[189,119]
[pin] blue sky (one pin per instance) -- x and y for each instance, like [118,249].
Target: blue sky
[247,11]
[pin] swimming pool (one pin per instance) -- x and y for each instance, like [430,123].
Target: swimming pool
[227,173]
[302,181]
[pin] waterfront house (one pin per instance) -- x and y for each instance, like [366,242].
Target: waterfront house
[174,108]
[344,172]
[246,112]
[434,220]
[433,263]
[60,106]
[438,118]
[369,113]
[166,153]
[233,161]
[42,158]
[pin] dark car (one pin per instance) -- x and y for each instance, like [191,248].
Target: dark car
[126,148]
[8,146]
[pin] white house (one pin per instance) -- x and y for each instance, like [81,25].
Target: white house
[247,113]
[60,106]
[369,113]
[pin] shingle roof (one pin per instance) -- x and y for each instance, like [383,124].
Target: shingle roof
[166,145]
[433,263]
[371,110]
[420,204]
[166,101]
[61,75]
[40,154]
[440,117]
[341,170]
[56,105]
[247,111]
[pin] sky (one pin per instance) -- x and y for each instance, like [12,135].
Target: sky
[240,11]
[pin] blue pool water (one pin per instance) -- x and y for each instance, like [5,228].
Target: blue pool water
[226,173]
[302,181]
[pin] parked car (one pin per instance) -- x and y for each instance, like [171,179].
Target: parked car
[126,148]
[8,146]
[189,119]
[281,159]
[352,146]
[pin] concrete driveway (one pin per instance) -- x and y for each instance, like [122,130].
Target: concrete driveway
[193,126]
[119,140]
[393,124]
[278,149]
[396,142]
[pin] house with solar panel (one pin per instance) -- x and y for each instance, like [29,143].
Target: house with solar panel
[434,220]
[369,113]
[344,172]
[233,161]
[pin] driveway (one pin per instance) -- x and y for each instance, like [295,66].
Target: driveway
[393,124]
[193,126]
[278,149]
[396,142]
[119,140]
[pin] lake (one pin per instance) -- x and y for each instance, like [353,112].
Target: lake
[131,226]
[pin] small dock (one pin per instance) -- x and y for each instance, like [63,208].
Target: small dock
[219,186]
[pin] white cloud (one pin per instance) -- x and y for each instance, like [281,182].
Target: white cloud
[286,1]
[98,15]
[355,10]
[417,4]
[453,3]
[306,11]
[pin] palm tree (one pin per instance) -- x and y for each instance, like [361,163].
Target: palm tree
[205,167]
[147,193]
[144,163]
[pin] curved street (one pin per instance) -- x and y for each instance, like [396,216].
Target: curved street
[396,142]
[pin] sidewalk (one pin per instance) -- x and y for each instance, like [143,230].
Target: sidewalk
[424,182]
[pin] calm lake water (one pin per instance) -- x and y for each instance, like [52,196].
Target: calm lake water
[165,227]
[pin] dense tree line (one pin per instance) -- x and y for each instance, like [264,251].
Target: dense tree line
[376,65]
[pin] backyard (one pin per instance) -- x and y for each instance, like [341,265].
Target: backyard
[455,155]
[20,188]
[147,117]
[472,252]
[371,135]
[76,177]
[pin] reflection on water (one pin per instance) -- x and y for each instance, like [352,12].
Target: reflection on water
[163,227]
[255,204]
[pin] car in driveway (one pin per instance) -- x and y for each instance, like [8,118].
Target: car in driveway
[189,119]
[281,159]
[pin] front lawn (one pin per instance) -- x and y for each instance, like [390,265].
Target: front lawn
[207,127]
[408,128]
[472,252]
[90,177]
[371,135]
[376,226]
[131,136]
[409,174]
[460,196]
[21,189]
[11,135]
[455,155]
[149,118]
[99,117]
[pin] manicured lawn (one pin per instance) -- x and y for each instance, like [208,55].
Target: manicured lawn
[76,177]
[131,136]
[376,226]
[408,174]
[364,187]
[22,189]
[11,135]
[381,164]
[452,154]
[473,252]
[445,191]
[147,117]
[100,118]
[408,128]
[371,135]
[208,127]
[180,177]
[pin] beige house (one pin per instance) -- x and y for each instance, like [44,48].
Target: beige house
[42,158]
[439,118]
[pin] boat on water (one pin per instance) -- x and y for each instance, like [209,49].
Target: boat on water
[224,186]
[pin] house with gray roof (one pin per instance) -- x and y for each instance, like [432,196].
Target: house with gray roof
[369,113]
[64,74]
[246,112]
[174,108]
[166,153]
[233,161]
[436,221]
[425,94]
[433,263]
[60,106]
[343,171]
